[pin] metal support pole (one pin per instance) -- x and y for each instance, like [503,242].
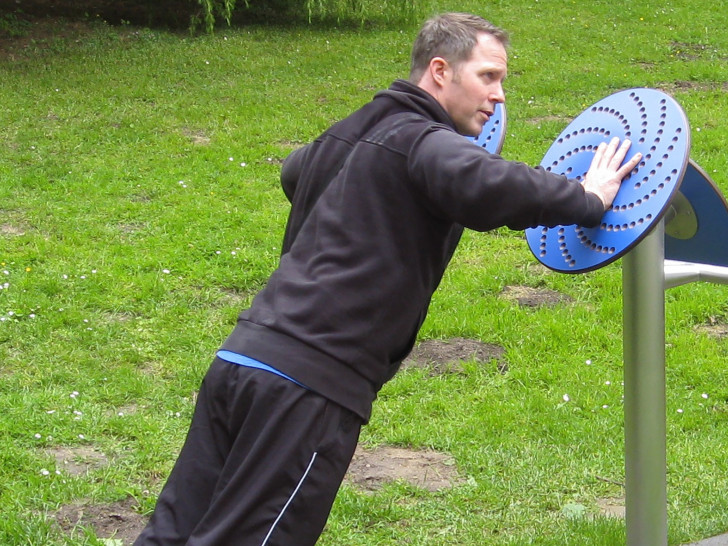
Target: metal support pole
[644,391]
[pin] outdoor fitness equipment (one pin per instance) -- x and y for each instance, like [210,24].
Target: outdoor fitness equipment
[658,128]
[666,208]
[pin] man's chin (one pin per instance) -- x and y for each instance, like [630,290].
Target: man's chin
[472,132]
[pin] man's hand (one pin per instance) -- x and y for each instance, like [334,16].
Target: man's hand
[605,175]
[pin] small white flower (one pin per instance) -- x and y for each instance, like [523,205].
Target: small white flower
[607,382]
[37,436]
[605,406]
[51,412]
[74,394]
[705,395]
[81,437]
[44,472]
[566,398]
[165,271]
[679,411]
[243,164]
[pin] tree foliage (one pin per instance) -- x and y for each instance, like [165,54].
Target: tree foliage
[206,15]
[212,9]
[359,11]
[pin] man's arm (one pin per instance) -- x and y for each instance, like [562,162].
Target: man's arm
[482,191]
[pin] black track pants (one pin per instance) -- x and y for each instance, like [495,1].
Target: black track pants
[261,466]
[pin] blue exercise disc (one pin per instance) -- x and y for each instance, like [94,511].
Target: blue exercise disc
[494,131]
[696,225]
[658,128]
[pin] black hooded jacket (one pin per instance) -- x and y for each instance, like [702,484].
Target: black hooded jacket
[378,205]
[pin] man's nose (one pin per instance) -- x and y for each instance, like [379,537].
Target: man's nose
[498,94]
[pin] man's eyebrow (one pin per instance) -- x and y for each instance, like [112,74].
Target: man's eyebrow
[498,69]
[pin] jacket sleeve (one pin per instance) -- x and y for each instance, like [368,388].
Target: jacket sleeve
[464,183]
[291,170]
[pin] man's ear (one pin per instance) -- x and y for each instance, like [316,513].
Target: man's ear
[439,70]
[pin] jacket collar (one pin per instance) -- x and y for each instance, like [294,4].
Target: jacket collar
[417,99]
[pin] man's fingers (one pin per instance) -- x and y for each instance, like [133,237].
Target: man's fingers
[599,155]
[605,155]
[611,156]
[625,169]
[619,154]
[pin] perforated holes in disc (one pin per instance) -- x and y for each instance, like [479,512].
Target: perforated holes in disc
[494,131]
[658,128]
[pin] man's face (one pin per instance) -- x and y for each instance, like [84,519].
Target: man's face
[472,89]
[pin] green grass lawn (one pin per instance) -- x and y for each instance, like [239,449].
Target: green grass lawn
[140,211]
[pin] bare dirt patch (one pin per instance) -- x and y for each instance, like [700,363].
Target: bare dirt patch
[8,229]
[689,51]
[612,507]
[528,296]
[122,411]
[197,137]
[78,460]
[370,469]
[447,356]
[683,85]
[546,119]
[118,520]
[35,33]
[714,329]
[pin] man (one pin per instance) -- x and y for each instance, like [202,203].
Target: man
[379,202]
